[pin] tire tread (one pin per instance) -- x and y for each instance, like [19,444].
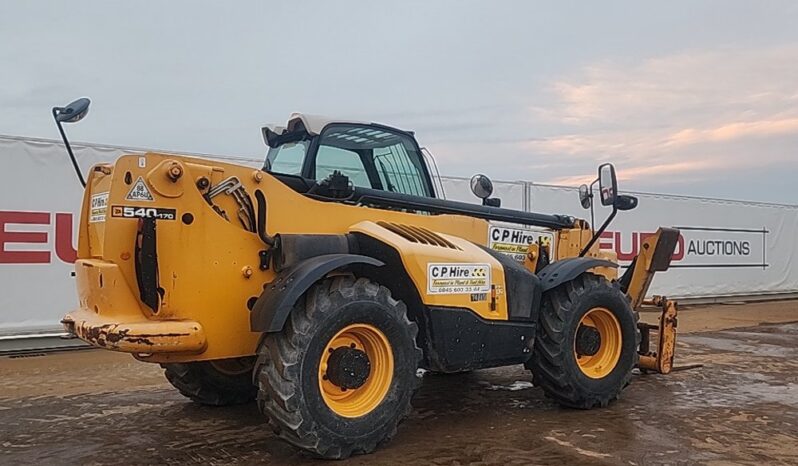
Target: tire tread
[548,358]
[277,371]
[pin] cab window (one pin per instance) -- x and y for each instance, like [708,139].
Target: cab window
[331,158]
[372,157]
[397,171]
[287,158]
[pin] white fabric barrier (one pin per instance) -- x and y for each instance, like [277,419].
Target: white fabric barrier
[726,248]
[733,248]
[511,193]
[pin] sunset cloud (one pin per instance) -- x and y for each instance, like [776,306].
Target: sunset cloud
[733,131]
[699,110]
[635,173]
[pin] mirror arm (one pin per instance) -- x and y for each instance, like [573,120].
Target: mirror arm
[598,232]
[592,214]
[56,110]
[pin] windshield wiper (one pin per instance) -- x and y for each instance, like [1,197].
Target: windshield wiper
[391,187]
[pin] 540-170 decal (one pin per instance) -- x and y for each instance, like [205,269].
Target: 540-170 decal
[143,212]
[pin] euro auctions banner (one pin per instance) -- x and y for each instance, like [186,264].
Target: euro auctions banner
[726,248]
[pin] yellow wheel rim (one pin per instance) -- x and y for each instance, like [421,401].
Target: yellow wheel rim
[604,360]
[356,402]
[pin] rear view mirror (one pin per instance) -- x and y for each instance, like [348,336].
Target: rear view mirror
[625,202]
[584,196]
[73,112]
[481,186]
[608,184]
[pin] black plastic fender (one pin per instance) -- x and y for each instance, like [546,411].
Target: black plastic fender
[566,270]
[274,305]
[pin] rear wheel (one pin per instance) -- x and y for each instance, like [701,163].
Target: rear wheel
[216,383]
[338,379]
[587,343]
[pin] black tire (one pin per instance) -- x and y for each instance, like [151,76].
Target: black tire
[221,383]
[553,363]
[287,369]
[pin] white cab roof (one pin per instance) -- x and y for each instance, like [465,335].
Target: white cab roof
[314,124]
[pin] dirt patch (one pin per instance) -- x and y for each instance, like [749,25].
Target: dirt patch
[95,407]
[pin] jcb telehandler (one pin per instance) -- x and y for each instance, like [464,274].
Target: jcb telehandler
[321,284]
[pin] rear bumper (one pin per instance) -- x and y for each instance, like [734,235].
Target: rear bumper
[143,336]
[110,316]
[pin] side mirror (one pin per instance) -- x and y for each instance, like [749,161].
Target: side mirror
[584,196]
[625,202]
[608,184]
[73,112]
[481,186]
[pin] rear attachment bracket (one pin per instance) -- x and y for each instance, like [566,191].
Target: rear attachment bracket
[661,359]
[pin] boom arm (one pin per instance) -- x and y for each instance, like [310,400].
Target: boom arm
[655,256]
[441,206]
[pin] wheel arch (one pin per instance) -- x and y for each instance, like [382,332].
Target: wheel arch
[274,305]
[565,270]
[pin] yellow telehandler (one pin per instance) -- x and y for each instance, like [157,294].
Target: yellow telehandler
[319,285]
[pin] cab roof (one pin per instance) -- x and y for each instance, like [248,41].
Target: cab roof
[311,124]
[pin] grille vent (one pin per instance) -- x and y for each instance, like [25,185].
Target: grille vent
[420,235]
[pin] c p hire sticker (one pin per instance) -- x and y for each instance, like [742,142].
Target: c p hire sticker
[99,204]
[458,278]
[514,242]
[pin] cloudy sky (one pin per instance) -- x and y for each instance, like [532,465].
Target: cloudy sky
[687,97]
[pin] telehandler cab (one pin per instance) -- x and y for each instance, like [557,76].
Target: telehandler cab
[321,284]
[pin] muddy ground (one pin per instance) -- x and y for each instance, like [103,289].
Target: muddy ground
[96,407]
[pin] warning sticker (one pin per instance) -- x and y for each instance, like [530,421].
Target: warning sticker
[139,191]
[99,205]
[458,278]
[514,241]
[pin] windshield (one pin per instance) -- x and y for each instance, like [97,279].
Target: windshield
[370,156]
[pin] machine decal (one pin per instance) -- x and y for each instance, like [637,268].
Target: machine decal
[458,278]
[99,205]
[514,241]
[475,297]
[143,212]
[139,191]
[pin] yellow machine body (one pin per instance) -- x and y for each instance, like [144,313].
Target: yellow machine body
[208,264]
[318,286]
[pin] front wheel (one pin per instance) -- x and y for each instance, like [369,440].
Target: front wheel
[338,379]
[587,342]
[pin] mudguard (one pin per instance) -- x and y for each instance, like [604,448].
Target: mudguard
[278,298]
[565,270]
